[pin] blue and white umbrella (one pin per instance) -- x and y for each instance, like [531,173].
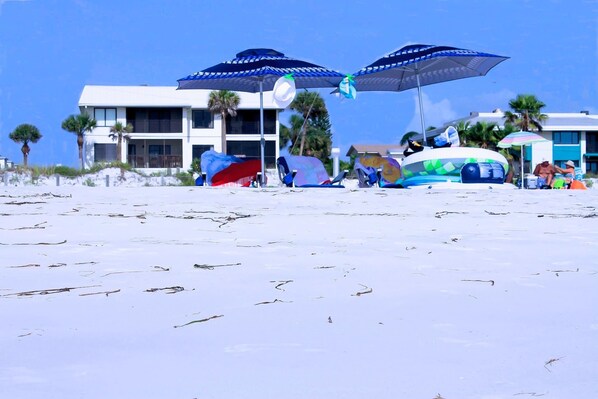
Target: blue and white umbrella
[419,65]
[257,70]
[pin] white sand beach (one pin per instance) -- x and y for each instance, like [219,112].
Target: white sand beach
[197,292]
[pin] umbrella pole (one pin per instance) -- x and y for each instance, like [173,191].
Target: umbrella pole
[522,163]
[262,139]
[421,107]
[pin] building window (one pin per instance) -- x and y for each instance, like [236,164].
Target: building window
[565,137]
[592,142]
[105,116]
[252,150]
[561,162]
[156,120]
[104,152]
[248,122]
[199,149]
[202,119]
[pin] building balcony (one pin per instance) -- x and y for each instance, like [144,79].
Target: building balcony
[155,161]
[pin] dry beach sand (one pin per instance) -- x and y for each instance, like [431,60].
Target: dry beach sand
[194,292]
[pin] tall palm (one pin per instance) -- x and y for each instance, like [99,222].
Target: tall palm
[483,134]
[79,125]
[526,113]
[310,105]
[25,133]
[224,102]
[509,153]
[119,132]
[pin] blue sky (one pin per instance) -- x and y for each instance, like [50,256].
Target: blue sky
[50,49]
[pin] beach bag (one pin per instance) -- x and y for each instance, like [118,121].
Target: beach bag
[577,185]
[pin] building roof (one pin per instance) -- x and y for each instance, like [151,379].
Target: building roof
[375,149]
[160,96]
[555,122]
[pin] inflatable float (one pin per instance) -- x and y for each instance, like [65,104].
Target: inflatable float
[444,165]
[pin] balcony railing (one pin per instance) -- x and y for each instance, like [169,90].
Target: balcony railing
[156,161]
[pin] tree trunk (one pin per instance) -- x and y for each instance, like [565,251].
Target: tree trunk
[80,144]
[511,172]
[25,150]
[119,144]
[223,133]
[303,134]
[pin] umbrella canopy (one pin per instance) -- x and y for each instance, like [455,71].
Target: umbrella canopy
[420,65]
[257,70]
[517,139]
[520,139]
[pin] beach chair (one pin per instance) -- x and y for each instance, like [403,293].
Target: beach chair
[366,175]
[303,171]
[374,170]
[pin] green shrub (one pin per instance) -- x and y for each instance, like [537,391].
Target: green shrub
[99,166]
[89,183]
[186,179]
[195,166]
[65,171]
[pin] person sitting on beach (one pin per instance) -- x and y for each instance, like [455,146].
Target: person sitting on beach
[545,172]
[568,172]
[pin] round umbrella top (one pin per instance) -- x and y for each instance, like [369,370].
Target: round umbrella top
[252,66]
[401,69]
[520,138]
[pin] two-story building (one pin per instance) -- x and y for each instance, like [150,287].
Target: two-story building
[172,127]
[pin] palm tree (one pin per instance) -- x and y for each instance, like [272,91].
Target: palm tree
[318,138]
[462,128]
[526,113]
[25,133]
[311,106]
[224,102]
[508,153]
[119,132]
[79,125]
[483,134]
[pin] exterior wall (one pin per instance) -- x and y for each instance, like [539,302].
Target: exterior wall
[123,97]
[541,151]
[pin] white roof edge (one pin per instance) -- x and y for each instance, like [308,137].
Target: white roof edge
[159,96]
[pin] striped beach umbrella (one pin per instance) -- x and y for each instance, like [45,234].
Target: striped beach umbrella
[520,139]
[419,65]
[257,70]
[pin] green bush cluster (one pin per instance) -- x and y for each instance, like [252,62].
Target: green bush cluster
[186,178]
